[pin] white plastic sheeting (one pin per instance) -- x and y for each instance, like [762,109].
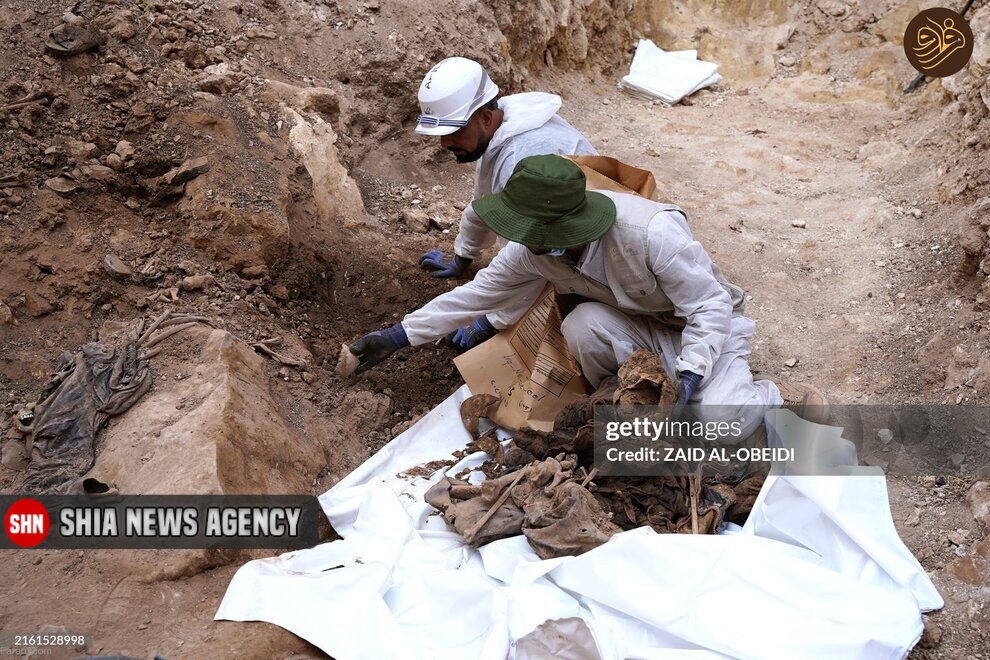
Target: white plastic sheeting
[668,76]
[818,571]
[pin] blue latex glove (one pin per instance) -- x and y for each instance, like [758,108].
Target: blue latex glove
[689,382]
[377,346]
[464,338]
[434,261]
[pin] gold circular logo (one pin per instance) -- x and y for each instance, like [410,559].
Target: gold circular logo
[938,42]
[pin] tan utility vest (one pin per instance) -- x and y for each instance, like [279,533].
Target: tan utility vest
[631,284]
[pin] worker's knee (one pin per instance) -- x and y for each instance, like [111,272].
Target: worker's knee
[587,322]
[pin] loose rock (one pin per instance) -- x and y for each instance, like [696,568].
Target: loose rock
[6,315]
[124,149]
[416,219]
[196,282]
[13,455]
[116,267]
[255,272]
[931,636]
[347,362]
[36,305]
[81,151]
[62,185]
[978,499]
[278,291]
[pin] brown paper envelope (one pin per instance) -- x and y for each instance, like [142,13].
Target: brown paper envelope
[528,367]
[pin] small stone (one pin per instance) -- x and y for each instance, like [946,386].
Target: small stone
[62,185]
[885,436]
[916,212]
[115,162]
[832,7]
[800,224]
[36,305]
[978,499]
[787,60]
[194,56]
[278,291]
[116,267]
[196,282]
[124,149]
[958,537]
[255,272]
[347,362]
[932,634]
[605,102]
[308,377]
[13,455]
[6,315]
[791,363]
[81,151]
[123,30]
[94,173]
[416,220]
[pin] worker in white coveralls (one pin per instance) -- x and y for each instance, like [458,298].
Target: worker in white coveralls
[648,284]
[459,104]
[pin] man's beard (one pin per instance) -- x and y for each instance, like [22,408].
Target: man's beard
[470,156]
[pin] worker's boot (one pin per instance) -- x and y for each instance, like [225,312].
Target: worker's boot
[806,401]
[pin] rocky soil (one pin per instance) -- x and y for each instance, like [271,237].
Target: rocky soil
[253,162]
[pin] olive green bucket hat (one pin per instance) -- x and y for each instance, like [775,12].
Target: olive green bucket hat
[544,205]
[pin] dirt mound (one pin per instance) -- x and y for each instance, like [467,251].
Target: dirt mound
[965,176]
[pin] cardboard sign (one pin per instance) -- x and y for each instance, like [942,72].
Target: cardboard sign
[528,367]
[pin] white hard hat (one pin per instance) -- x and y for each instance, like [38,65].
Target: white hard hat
[450,93]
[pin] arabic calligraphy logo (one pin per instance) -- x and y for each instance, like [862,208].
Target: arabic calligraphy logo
[938,42]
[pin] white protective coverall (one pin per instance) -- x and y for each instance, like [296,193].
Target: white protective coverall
[668,278]
[530,127]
